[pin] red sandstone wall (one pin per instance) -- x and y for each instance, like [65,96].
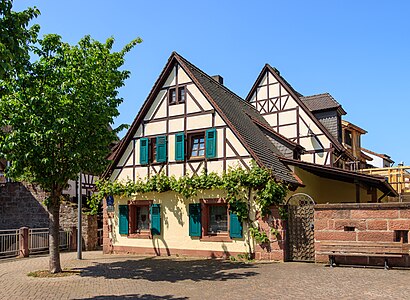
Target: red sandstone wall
[277,248]
[372,222]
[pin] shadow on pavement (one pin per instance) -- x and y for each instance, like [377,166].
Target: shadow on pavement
[134,296]
[170,270]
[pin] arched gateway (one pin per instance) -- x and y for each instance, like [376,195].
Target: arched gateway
[300,232]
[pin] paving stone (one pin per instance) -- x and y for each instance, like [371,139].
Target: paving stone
[133,277]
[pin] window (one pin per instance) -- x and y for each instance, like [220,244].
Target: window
[218,219]
[172,96]
[175,97]
[140,219]
[348,137]
[211,221]
[197,148]
[153,150]
[181,94]
[202,144]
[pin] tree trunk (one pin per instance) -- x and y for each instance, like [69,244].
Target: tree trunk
[54,236]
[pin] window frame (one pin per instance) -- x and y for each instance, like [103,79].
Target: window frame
[191,137]
[205,219]
[178,95]
[133,231]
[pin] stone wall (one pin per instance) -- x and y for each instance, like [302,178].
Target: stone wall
[21,205]
[69,219]
[376,222]
[276,249]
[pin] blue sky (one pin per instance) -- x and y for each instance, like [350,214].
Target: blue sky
[358,51]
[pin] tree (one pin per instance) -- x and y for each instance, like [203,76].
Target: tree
[58,114]
[16,38]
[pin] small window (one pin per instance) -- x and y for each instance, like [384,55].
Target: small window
[197,145]
[401,236]
[181,94]
[172,96]
[218,219]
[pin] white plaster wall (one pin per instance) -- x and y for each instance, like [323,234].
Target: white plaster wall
[235,143]
[199,122]
[160,100]
[182,76]
[155,128]
[176,125]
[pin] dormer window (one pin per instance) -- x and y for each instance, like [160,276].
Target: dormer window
[348,137]
[176,95]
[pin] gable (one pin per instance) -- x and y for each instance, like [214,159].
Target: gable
[193,116]
[280,105]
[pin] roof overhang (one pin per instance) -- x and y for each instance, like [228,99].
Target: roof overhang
[343,175]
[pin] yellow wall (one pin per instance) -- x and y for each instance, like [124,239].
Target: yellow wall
[324,190]
[175,225]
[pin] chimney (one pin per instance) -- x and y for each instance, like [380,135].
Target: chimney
[218,78]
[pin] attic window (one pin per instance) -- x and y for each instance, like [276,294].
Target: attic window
[176,95]
[172,96]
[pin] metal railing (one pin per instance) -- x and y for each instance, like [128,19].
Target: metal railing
[39,240]
[9,242]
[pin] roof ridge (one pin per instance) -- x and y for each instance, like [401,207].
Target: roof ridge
[217,83]
[315,95]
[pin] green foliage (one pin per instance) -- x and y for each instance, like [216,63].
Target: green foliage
[237,182]
[60,110]
[16,40]
[260,236]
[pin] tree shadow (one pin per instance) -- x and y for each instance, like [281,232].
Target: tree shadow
[135,296]
[170,270]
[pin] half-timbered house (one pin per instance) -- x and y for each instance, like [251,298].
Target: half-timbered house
[190,122]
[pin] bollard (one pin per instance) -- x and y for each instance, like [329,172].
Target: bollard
[24,244]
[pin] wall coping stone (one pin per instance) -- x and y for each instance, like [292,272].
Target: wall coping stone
[388,205]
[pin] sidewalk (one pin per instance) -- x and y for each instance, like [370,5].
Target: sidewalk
[133,277]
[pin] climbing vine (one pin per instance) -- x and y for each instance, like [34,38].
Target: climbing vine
[237,182]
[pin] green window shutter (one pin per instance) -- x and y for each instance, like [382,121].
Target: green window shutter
[155,211]
[235,227]
[179,146]
[161,155]
[123,219]
[195,228]
[210,143]
[144,151]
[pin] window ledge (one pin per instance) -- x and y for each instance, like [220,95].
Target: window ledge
[158,163]
[142,235]
[216,238]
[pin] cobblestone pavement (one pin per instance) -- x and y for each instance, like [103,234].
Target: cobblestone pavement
[132,277]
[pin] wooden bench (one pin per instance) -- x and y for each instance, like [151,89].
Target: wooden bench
[353,248]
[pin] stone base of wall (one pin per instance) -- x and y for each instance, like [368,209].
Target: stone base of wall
[364,222]
[171,252]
